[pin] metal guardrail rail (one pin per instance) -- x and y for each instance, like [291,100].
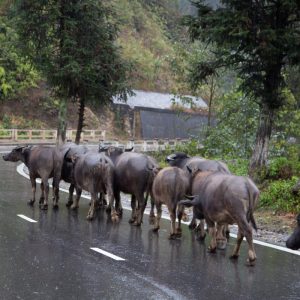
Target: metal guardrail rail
[15,136]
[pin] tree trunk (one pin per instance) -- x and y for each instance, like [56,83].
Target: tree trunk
[211,97]
[258,162]
[80,124]
[62,122]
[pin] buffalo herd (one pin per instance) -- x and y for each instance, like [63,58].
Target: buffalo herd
[216,196]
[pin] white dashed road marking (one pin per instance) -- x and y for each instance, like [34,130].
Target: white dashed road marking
[27,219]
[108,254]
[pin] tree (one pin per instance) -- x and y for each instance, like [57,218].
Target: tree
[258,39]
[15,72]
[72,43]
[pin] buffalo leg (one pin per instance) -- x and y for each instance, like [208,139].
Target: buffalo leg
[71,191]
[236,251]
[140,211]
[172,211]
[75,205]
[158,216]
[180,211]
[212,232]
[247,229]
[41,201]
[91,212]
[118,204]
[44,206]
[152,215]
[133,209]
[221,238]
[33,187]
[111,198]
[193,223]
[200,230]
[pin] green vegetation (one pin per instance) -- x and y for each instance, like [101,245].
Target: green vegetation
[257,40]
[16,73]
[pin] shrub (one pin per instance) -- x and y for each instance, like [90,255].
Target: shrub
[278,195]
[282,168]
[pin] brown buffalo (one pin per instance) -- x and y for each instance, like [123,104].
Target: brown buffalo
[63,168]
[40,163]
[94,172]
[132,176]
[169,186]
[183,161]
[226,199]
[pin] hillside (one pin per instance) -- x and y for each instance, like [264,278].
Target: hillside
[149,37]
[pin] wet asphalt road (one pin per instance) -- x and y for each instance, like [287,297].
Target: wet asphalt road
[52,259]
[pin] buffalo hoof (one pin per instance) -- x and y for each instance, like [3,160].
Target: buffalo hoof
[250,262]
[44,206]
[192,225]
[69,204]
[90,217]
[30,202]
[115,218]
[212,250]
[201,237]
[221,245]
[131,220]
[234,256]
[55,206]
[172,236]
[41,200]
[74,207]
[151,220]
[178,234]
[136,223]
[155,229]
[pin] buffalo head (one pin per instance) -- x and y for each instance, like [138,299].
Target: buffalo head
[176,159]
[16,154]
[293,241]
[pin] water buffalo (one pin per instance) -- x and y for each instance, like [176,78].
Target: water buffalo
[182,160]
[94,172]
[40,163]
[63,168]
[226,199]
[293,241]
[132,176]
[169,186]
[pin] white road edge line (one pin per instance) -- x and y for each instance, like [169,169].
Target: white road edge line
[27,219]
[280,248]
[115,257]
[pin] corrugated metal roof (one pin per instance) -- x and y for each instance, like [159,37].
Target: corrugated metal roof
[158,100]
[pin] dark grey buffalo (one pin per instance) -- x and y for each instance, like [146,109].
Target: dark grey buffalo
[40,163]
[226,199]
[63,168]
[132,176]
[182,160]
[94,172]
[293,241]
[170,185]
